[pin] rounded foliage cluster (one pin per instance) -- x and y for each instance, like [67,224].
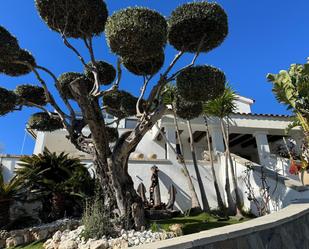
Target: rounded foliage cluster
[8,101]
[41,121]
[120,104]
[136,32]
[144,66]
[106,72]
[200,83]
[32,94]
[8,44]
[64,80]
[188,110]
[76,19]
[11,68]
[195,24]
[112,134]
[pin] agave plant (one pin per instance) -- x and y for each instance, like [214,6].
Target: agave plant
[7,192]
[56,179]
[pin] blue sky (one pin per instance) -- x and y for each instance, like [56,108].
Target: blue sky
[264,36]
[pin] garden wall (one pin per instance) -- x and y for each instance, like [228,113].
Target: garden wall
[288,228]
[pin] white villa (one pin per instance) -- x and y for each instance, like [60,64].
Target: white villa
[254,139]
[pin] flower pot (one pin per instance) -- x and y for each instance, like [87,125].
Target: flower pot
[304,177]
[4,212]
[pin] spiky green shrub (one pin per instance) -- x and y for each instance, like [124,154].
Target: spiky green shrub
[136,32]
[144,66]
[200,83]
[192,23]
[59,180]
[41,121]
[13,68]
[8,101]
[106,72]
[76,19]
[32,94]
[188,110]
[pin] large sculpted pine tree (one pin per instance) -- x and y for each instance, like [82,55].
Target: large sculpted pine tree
[137,36]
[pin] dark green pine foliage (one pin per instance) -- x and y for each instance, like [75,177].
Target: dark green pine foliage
[106,72]
[41,121]
[32,94]
[8,101]
[193,23]
[200,83]
[76,19]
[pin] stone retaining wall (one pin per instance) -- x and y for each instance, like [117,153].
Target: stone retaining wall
[286,229]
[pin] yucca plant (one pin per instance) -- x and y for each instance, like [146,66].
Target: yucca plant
[56,179]
[7,192]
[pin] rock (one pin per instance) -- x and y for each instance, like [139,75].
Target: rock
[57,236]
[68,244]
[136,242]
[99,244]
[40,234]
[176,229]
[14,241]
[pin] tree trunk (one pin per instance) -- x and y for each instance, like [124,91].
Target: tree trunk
[111,168]
[195,204]
[216,185]
[229,161]
[197,171]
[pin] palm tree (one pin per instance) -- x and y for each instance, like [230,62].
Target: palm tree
[222,107]
[216,185]
[56,179]
[7,192]
[169,99]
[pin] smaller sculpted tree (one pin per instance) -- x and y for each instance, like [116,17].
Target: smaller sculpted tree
[137,36]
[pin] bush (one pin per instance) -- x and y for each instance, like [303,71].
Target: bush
[144,66]
[33,94]
[136,32]
[192,22]
[41,121]
[8,101]
[76,19]
[97,220]
[106,72]
[200,83]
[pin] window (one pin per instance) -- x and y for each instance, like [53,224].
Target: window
[130,123]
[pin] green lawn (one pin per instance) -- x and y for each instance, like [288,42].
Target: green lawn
[35,245]
[194,224]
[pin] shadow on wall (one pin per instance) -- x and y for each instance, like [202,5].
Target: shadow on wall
[183,200]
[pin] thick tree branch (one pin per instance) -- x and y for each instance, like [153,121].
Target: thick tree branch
[58,87]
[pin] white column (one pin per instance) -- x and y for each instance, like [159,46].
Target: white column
[217,139]
[170,134]
[39,143]
[263,147]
